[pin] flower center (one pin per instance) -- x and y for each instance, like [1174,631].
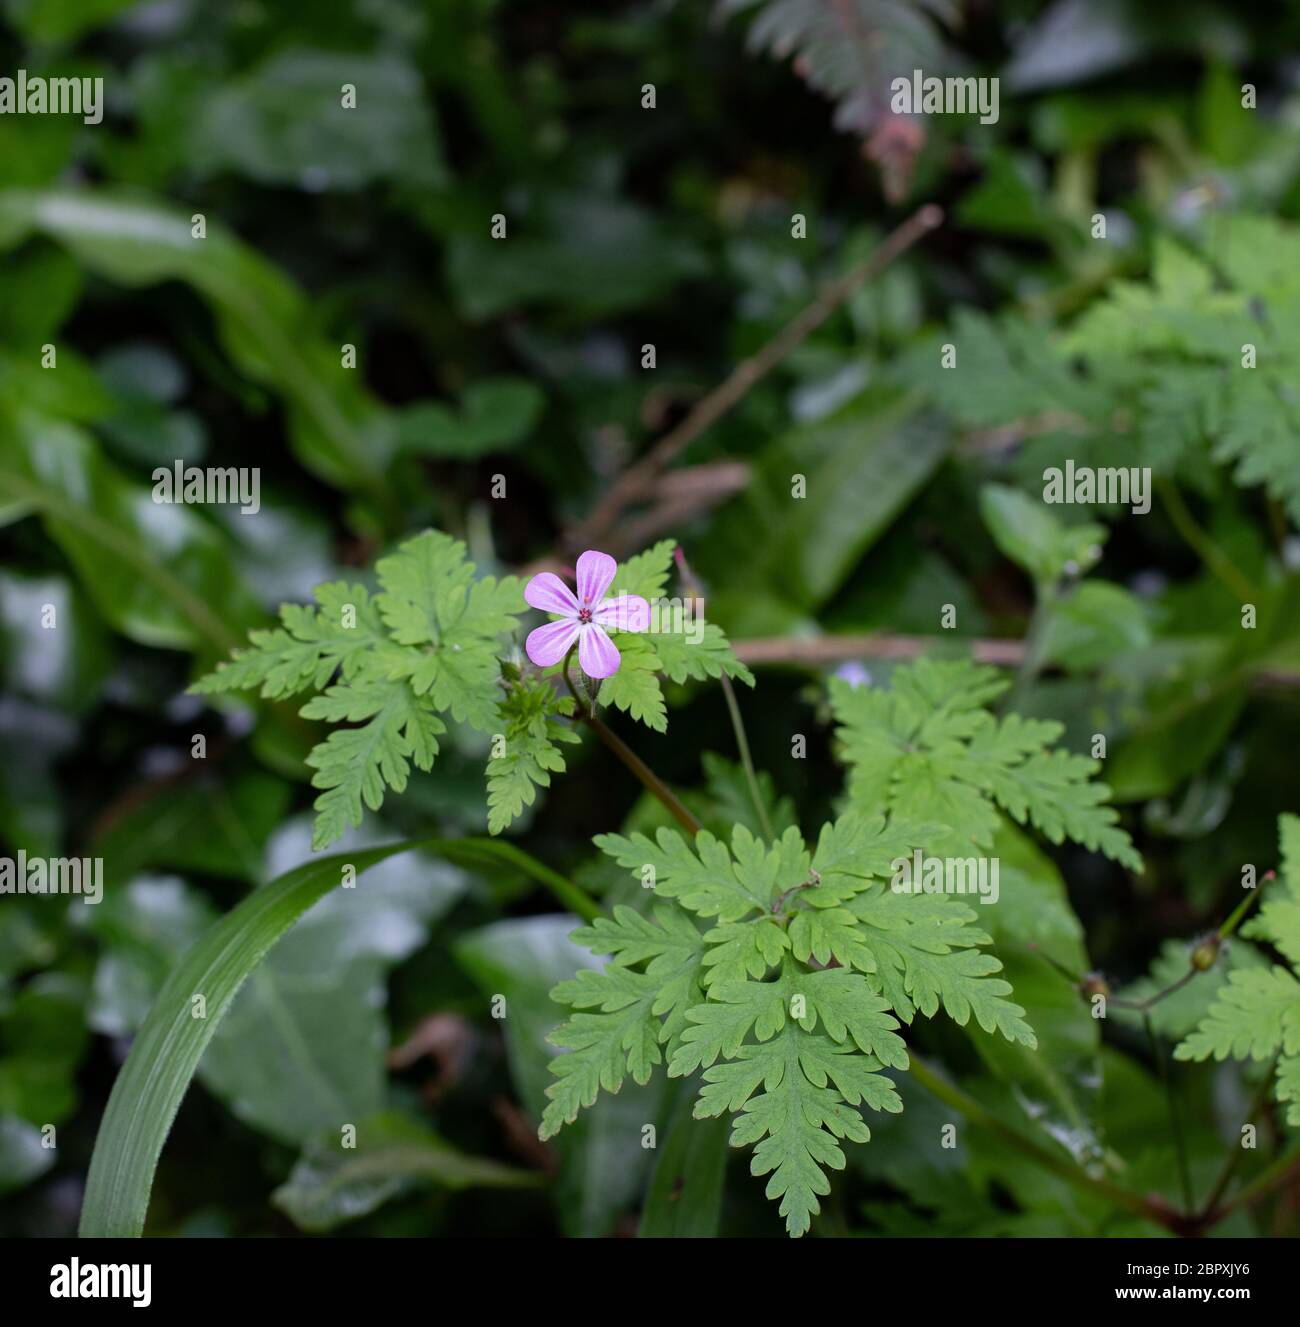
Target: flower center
[584,615]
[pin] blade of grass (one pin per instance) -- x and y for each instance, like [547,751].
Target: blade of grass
[685,1196]
[167,1050]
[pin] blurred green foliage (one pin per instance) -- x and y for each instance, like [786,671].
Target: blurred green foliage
[326,228]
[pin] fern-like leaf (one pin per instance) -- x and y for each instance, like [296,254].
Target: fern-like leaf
[798,988]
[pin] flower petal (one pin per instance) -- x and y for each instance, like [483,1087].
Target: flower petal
[597,654]
[624,612]
[549,593]
[595,573]
[549,644]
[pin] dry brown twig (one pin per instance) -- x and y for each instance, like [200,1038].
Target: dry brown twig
[639,479]
[824,651]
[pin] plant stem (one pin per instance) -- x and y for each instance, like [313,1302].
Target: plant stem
[1284,1168]
[1035,642]
[651,781]
[733,709]
[487,850]
[742,745]
[1211,1205]
[1238,914]
[1215,559]
[1141,1006]
[1058,1165]
[1175,1121]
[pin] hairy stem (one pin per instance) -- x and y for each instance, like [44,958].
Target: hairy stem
[733,709]
[746,760]
[649,779]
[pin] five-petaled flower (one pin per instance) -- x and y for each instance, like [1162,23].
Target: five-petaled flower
[586,618]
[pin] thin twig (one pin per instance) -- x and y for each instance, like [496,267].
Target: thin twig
[823,651]
[639,477]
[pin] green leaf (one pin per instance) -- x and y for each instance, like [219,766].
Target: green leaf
[646,573]
[860,467]
[1035,539]
[635,688]
[1093,624]
[704,877]
[284,123]
[810,1088]
[306,652]
[603,1164]
[427,643]
[685,1196]
[331,1184]
[142,929]
[769,994]
[167,1050]
[530,734]
[23,1155]
[1256,1012]
[1256,1015]
[924,951]
[62,20]
[624,1038]
[356,765]
[41,1045]
[594,253]
[929,747]
[496,414]
[293,1059]
[161,575]
[208,825]
[336,428]
[430,600]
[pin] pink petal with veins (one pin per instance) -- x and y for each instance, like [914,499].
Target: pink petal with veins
[549,644]
[597,654]
[595,573]
[624,612]
[549,593]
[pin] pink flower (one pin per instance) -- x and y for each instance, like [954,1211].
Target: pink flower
[584,618]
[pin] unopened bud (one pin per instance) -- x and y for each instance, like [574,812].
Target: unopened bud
[1206,953]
